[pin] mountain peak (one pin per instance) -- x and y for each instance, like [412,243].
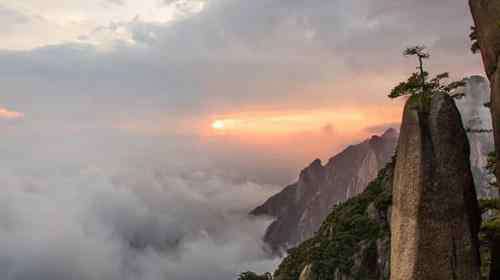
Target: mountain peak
[390,133]
[316,163]
[301,207]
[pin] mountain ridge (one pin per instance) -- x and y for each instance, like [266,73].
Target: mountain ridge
[302,206]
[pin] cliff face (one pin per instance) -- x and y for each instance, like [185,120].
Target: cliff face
[435,217]
[421,211]
[352,243]
[477,118]
[486,14]
[301,207]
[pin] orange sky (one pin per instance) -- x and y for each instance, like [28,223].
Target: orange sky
[300,135]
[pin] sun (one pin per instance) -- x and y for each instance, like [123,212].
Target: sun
[218,125]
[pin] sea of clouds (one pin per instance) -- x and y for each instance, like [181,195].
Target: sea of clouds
[142,219]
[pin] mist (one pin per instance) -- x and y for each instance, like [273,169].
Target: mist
[125,212]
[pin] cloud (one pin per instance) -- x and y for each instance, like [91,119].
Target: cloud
[232,56]
[136,222]
[8,114]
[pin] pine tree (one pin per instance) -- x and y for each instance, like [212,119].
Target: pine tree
[420,86]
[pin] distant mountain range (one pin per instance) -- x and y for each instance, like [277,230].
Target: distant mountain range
[301,207]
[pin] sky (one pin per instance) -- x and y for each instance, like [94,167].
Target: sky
[317,72]
[174,107]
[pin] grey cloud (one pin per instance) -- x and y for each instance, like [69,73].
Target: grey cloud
[10,18]
[136,222]
[237,53]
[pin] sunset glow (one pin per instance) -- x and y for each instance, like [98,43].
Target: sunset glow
[272,123]
[8,114]
[218,125]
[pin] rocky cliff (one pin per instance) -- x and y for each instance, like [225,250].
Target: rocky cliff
[477,121]
[352,243]
[486,14]
[435,216]
[434,219]
[301,207]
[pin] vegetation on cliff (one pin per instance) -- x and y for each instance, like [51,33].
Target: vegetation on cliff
[249,275]
[351,239]
[490,229]
[420,86]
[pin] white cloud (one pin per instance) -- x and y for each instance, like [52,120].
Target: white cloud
[141,221]
[38,23]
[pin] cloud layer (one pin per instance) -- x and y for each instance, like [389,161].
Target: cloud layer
[89,222]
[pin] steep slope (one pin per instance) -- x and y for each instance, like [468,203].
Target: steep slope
[301,207]
[352,243]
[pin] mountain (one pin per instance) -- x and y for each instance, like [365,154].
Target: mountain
[301,207]
[352,243]
[418,219]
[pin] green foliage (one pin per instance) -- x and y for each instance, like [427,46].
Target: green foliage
[421,86]
[411,87]
[249,275]
[492,162]
[475,47]
[485,254]
[418,51]
[346,232]
[487,204]
[490,227]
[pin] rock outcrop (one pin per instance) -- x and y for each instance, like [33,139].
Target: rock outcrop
[477,121]
[301,207]
[435,216]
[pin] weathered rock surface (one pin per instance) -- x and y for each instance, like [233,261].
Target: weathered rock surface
[435,215]
[301,207]
[477,120]
[486,14]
